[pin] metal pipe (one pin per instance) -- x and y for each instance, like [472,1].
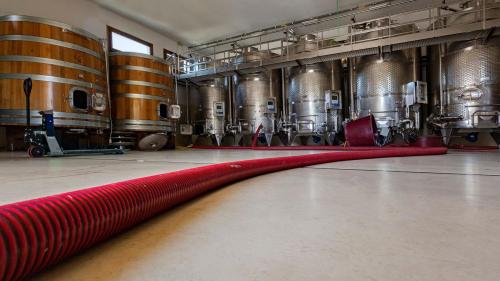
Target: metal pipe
[283,93]
[441,90]
[230,99]
[106,53]
[332,75]
[351,89]
[484,14]
[415,64]
[176,75]
[234,88]
[188,95]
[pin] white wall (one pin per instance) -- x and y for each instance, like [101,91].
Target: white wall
[86,15]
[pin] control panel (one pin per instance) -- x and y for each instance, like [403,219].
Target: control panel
[271,105]
[416,92]
[333,99]
[174,112]
[219,109]
[186,129]
[99,102]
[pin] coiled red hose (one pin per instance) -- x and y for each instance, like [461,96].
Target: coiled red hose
[38,233]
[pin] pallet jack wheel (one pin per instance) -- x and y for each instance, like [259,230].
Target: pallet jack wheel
[36,151]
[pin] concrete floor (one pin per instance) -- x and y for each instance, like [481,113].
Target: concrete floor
[420,218]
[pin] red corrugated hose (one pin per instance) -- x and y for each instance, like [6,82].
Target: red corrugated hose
[38,233]
[299,147]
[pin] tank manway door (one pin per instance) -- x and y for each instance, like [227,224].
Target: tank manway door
[219,109]
[333,100]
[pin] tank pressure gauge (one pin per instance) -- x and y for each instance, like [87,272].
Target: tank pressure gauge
[219,109]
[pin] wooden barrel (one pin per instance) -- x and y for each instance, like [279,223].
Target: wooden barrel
[68,69]
[141,92]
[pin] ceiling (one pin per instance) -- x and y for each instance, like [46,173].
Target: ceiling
[197,21]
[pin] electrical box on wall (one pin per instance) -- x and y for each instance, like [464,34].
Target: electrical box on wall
[416,92]
[186,129]
[219,109]
[271,105]
[174,112]
[333,100]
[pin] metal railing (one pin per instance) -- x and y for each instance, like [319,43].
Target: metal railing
[379,29]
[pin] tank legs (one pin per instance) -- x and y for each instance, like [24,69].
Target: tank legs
[291,138]
[496,137]
[269,138]
[446,133]
[286,137]
[330,138]
[194,138]
[237,139]
[218,139]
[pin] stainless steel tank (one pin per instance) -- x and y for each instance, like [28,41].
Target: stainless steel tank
[379,84]
[212,108]
[258,102]
[465,78]
[314,96]
[307,90]
[472,79]
[257,99]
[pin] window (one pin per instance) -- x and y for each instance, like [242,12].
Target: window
[124,42]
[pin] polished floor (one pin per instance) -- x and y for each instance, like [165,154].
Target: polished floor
[419,218]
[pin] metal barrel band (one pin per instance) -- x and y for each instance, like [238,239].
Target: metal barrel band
[140,96]
[139,55]
[14,18]
[53,79]
[51,42]
[51,62]
[142,83]
[15,116]
[141,68]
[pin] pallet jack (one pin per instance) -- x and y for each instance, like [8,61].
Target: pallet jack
[42,141]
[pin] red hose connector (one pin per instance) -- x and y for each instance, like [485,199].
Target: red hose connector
[361,132]
[38,233]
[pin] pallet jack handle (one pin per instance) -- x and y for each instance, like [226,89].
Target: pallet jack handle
[27,86]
